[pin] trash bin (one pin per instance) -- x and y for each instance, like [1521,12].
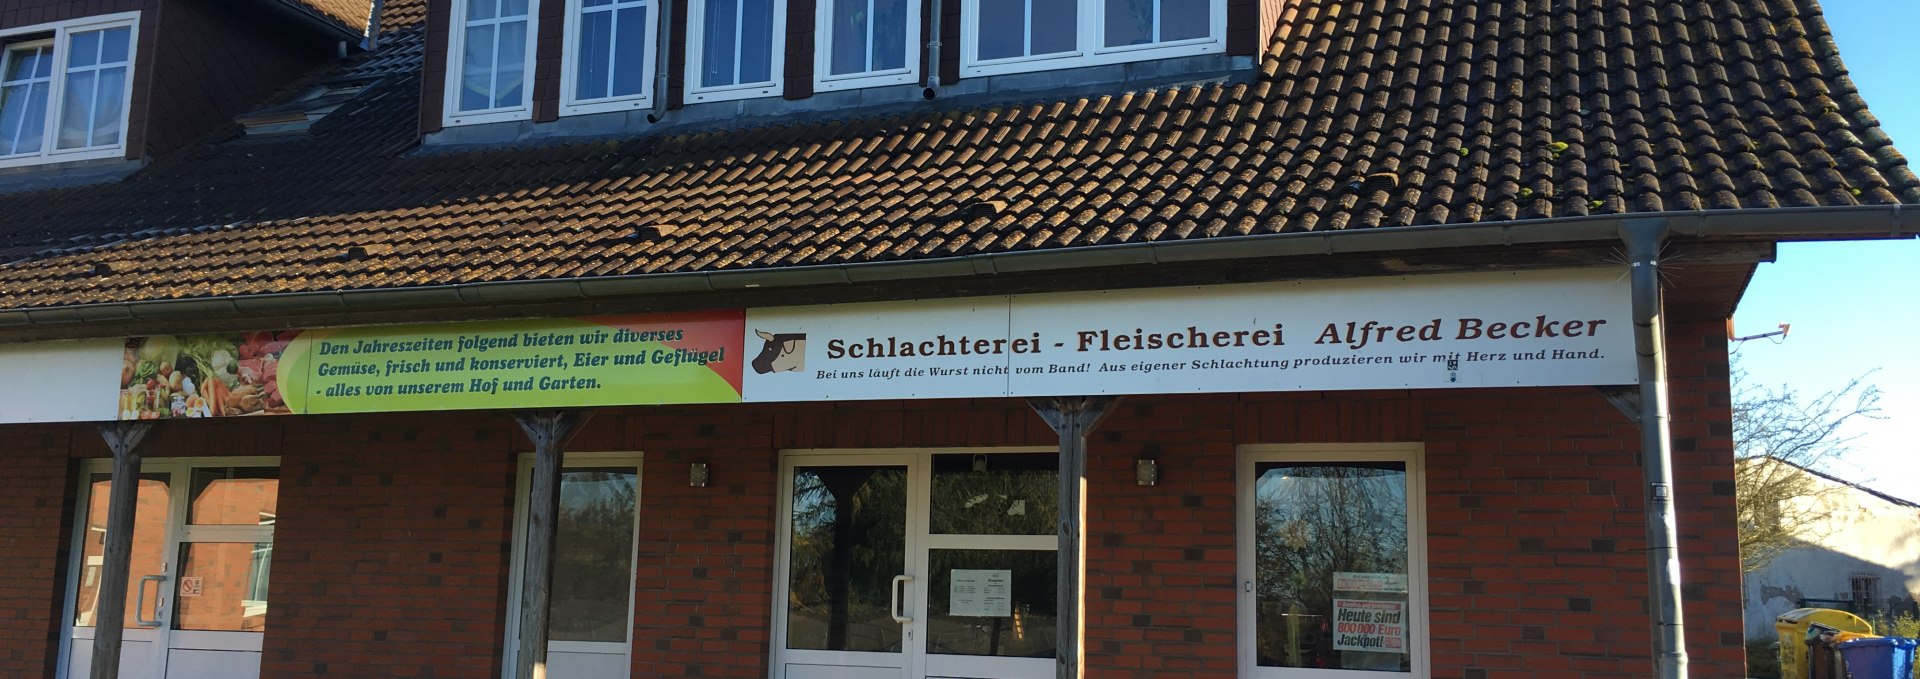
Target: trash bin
[1878,657]
[1823,654]
[1792,626]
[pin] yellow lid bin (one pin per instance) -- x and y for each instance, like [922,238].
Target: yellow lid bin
[1792,627]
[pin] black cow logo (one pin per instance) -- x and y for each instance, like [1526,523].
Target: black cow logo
[785,352]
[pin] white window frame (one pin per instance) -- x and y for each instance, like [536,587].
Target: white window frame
[1091,26]
[570,104]
[522,496]
[696,38]
[451,115]
[56,92]
[824,81]
[1419,634]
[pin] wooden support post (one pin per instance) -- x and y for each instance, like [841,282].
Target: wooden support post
[1072,418]
[116,554]
[550,430]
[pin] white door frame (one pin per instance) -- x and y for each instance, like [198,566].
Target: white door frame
[161,639]
[1419,634]
[916,662]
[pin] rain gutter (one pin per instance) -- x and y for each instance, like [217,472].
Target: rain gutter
[1823,223]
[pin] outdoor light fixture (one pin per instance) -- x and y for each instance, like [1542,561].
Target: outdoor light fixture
[1146,472]
[697,475]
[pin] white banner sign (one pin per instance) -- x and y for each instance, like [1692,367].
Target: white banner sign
[1467,330]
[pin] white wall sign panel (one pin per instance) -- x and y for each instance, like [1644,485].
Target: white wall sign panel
[60,381]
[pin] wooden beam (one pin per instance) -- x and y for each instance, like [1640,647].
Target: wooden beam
[116,554]
[549,430]
[1072,418]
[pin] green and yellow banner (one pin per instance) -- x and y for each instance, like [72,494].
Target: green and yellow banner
[539,363]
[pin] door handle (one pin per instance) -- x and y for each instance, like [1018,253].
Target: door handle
[140,602]
[899,583]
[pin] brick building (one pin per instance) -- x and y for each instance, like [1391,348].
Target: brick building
[1352,310]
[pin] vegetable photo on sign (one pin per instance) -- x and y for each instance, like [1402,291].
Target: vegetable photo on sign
[172,376]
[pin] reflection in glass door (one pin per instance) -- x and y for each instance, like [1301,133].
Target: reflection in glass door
[918,565]
[197,590]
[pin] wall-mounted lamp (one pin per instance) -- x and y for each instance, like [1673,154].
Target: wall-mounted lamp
[1146,472]
[697,475]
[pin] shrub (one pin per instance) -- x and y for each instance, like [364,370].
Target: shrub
[1763,658]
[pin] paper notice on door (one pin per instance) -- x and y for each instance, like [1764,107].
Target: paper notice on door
[981,593]
[1392,583]
[1379,626]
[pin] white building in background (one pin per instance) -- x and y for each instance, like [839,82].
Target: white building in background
[1865,557]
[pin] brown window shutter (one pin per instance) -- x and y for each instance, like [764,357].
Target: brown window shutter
[546,60]
[798,71]
[950,41]
[433,68]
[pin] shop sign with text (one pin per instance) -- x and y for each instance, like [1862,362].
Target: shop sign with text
[1471,330]
[1546,328]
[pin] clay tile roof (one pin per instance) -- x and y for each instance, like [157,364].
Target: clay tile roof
[351,15]
[1361,114]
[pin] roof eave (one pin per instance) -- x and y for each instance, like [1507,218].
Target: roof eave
[1771,224]
[312,17]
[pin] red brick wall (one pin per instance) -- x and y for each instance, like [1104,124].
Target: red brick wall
[392,547]
[393,541]
[33,519]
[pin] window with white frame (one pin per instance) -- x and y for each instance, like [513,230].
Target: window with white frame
[734,48]
[64,90]
[590,615]
[865,43]
[609,55]
[1010,36]
[1332,562]
[491,61]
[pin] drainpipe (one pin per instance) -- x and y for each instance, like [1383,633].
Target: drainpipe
[933,55]
[1644,238]
[661,44]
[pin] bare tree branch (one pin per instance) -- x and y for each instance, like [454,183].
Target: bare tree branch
[1775,436]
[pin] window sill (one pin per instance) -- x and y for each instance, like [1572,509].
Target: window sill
[732,93]
[1123,55]
[61,158]
[642,103]
[483,117]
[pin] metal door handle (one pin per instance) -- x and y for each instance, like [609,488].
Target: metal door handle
[140,602]
[899,581]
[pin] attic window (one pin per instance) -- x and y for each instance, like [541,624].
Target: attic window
[63,89]
[301,113]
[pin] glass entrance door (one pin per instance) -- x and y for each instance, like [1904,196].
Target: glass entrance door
[197,589]
[917,565]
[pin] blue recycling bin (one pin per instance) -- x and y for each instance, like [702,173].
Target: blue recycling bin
[1878,657]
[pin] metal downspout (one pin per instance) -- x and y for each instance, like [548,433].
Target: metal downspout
[1644,240]
[662,52]
[932,80]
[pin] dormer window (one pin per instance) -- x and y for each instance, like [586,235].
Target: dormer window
[1011,36]
[609,55]
[865,43]
[491,60]
[734,48]
[64,90]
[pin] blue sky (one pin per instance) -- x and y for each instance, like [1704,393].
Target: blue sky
[1854,306]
